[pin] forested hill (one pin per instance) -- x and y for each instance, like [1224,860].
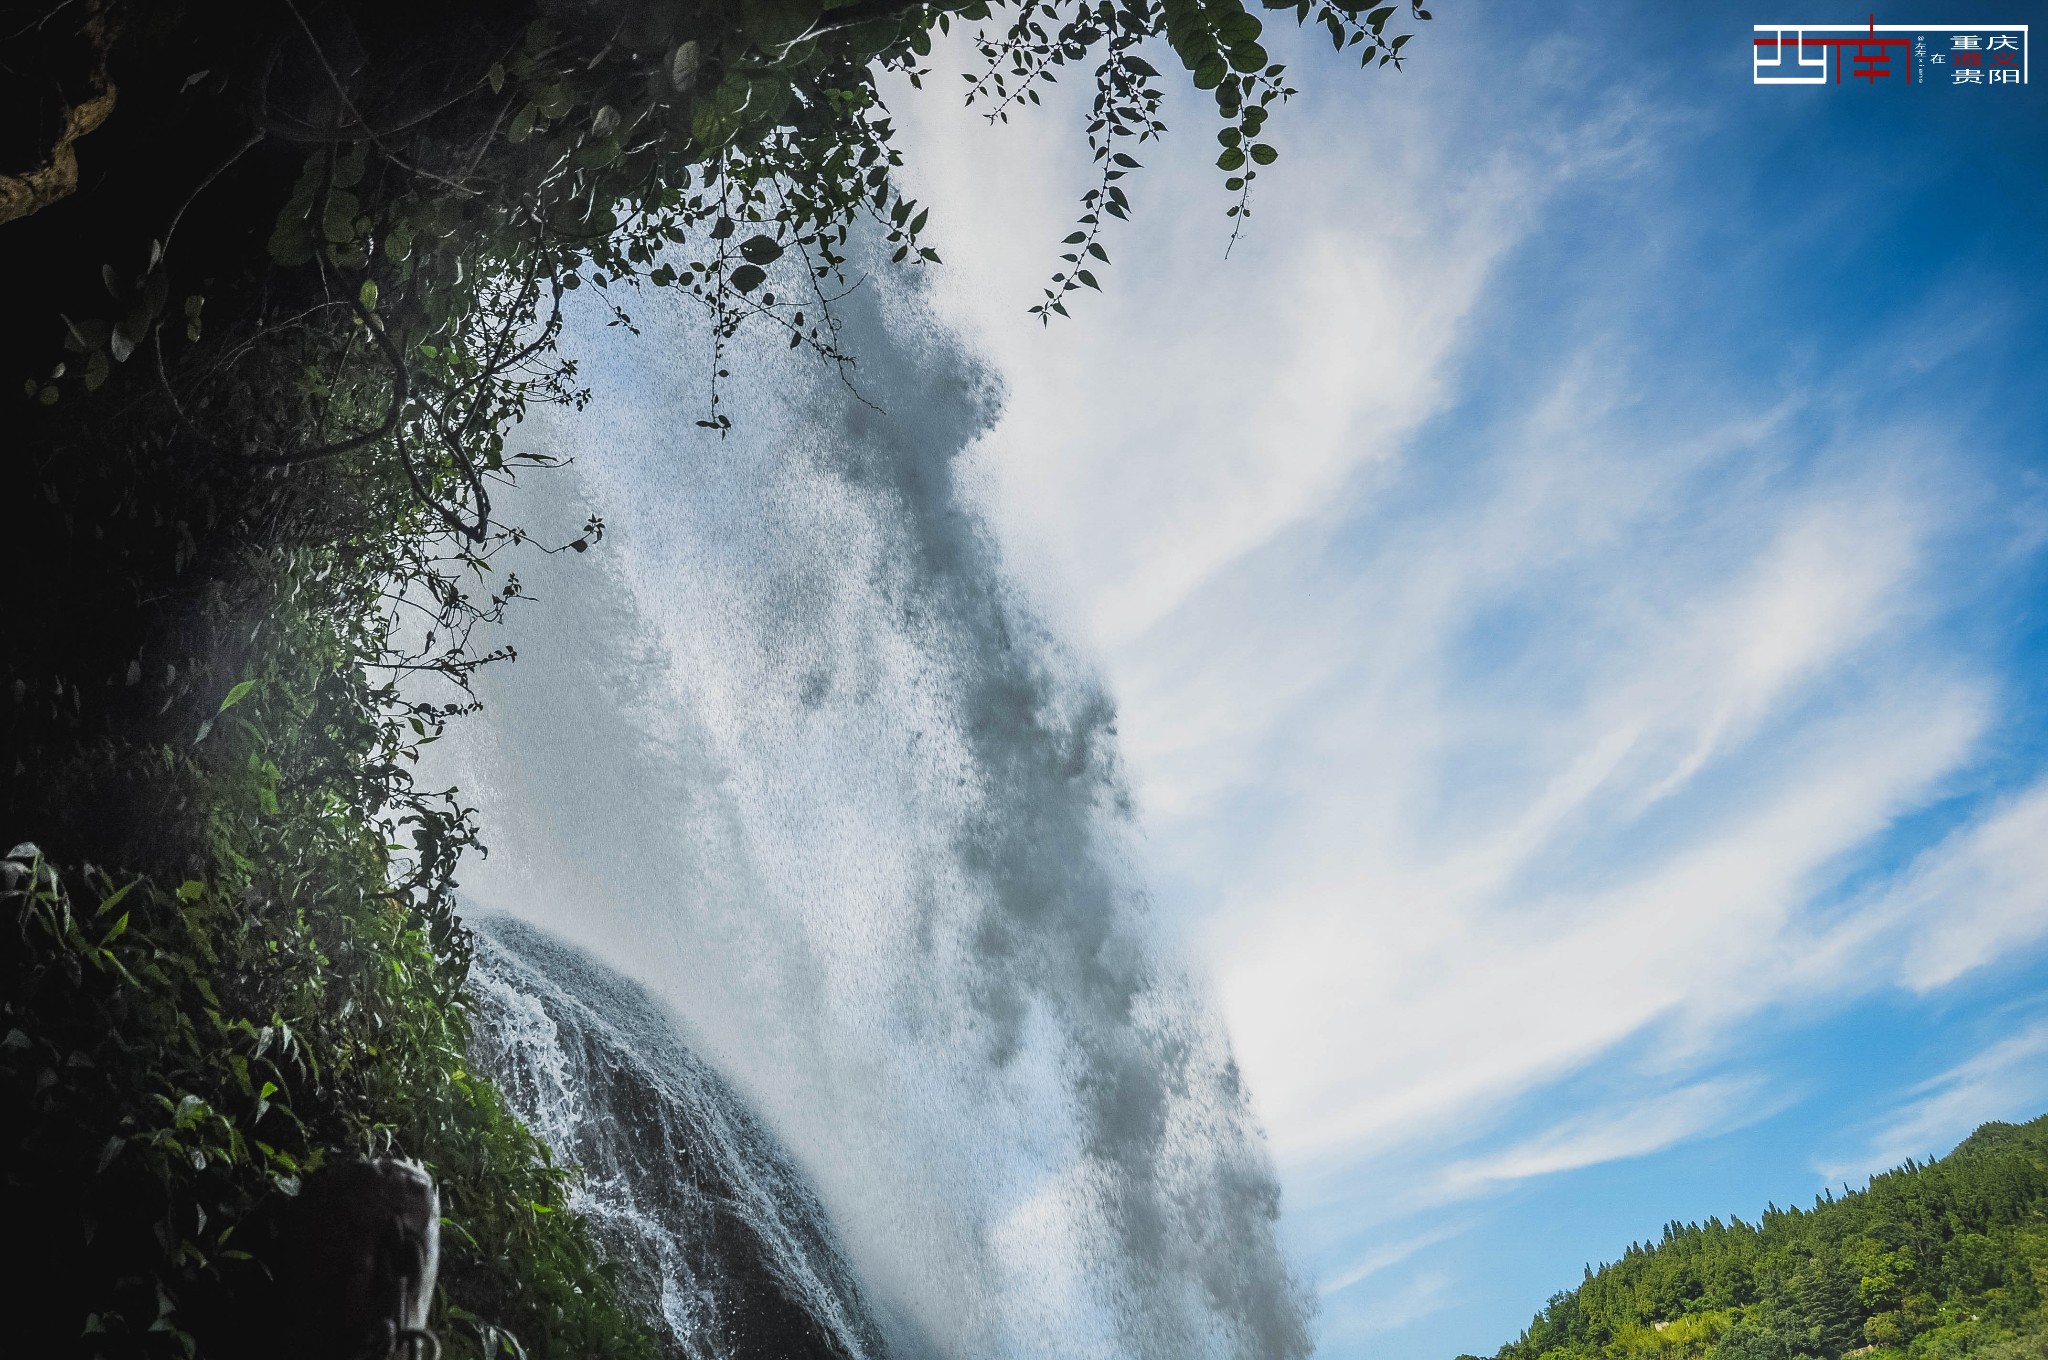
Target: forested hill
[1931,1262]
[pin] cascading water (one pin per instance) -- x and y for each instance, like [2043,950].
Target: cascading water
[715,1231]
[790,752]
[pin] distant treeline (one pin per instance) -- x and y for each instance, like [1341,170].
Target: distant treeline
[1932,1262]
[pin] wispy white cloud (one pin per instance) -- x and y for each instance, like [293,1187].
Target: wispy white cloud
[1382,1259]
[1417,1297]
[1204,406]
[2008,1080]
[1630,1130]
[1385,1003]
[1982,891]
[1974,898]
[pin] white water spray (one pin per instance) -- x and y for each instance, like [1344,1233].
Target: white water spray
[790,751]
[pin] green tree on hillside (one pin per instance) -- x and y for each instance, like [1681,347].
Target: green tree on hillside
[1930,1262]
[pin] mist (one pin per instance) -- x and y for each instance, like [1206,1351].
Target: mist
[790,750]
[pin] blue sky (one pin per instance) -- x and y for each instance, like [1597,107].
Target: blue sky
[1572,583]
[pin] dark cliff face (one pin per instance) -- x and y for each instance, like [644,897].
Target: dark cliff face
[715,1232]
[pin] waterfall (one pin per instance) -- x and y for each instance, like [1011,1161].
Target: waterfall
[791,752]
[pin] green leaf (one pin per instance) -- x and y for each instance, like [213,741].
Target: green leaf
[522,123]
[1139,66]
[599,154]
[1210,72]
[1264,155]
[236,695]
[367,295]
[496,76]
[81,336]
[349,167]
[557,99]
[1087,278]
[1238,29]
[682,66]
[761,249]
[190,890]
[114,898]
[1232,159]
[748,277]
[771,24]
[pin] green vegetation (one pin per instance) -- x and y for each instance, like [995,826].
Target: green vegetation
[178,1056]
[283,275]
[1931,1262]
